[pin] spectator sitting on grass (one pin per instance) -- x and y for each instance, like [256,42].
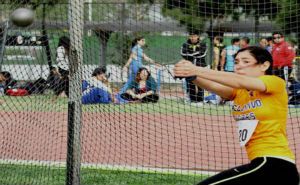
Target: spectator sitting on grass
[97,89]
[142,89]
[7,81]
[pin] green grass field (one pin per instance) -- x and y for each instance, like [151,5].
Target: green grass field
[34,174]
[164,106]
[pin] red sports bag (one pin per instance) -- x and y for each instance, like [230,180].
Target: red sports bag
[17,92]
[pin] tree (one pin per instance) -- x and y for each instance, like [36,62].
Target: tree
[187,12]
[253,8]
[288,17]
[32,3]
[194,13]
[137,6]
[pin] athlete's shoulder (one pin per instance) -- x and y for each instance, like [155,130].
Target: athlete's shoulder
[273,83]
[272,78]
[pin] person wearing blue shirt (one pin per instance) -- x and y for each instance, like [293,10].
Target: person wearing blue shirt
[143,88]
[227,62]
[135,61]
[294,91]
[96,89]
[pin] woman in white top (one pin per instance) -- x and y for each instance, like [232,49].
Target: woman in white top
[62,59]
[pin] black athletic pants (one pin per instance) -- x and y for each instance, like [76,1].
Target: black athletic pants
[192,91]
[147,99]
[262,170]
[63,85]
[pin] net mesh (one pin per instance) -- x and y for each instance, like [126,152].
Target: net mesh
[181,135]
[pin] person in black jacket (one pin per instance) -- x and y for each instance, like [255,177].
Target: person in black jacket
[195,51]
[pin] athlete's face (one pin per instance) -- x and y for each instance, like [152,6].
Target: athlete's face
[194,38]
[141,42]
[277,38]
[246,64]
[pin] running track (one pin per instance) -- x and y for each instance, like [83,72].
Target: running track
[173,141]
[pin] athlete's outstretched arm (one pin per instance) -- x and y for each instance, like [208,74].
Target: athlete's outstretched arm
[151,61]
[219,82]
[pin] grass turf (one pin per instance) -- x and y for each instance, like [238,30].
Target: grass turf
[164,106]
[36,174]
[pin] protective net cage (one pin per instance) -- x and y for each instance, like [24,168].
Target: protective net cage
[71,109]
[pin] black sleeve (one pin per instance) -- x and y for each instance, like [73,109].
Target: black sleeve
[184,51]
[202,48]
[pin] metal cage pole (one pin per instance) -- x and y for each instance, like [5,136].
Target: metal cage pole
[76,23]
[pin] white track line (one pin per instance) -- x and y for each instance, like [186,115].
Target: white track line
[108,167]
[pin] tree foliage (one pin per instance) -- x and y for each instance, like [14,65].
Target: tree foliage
[194,13]
[253,8]
[33,3]
[289,15]
[187,12]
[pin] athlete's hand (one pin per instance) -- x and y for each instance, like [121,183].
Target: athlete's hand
[185,68]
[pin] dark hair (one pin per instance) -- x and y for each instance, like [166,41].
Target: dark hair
[194,32]
[51,68]
[6,74]
[261,55]
[99,71]
[219,38]
[9,81]
[65,42]
[137,76]
[234,40]
[269,39]
[134,41]
[246,39]
[277,32]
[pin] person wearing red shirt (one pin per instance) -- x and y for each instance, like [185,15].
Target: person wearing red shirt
[245,42]
[283,55]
